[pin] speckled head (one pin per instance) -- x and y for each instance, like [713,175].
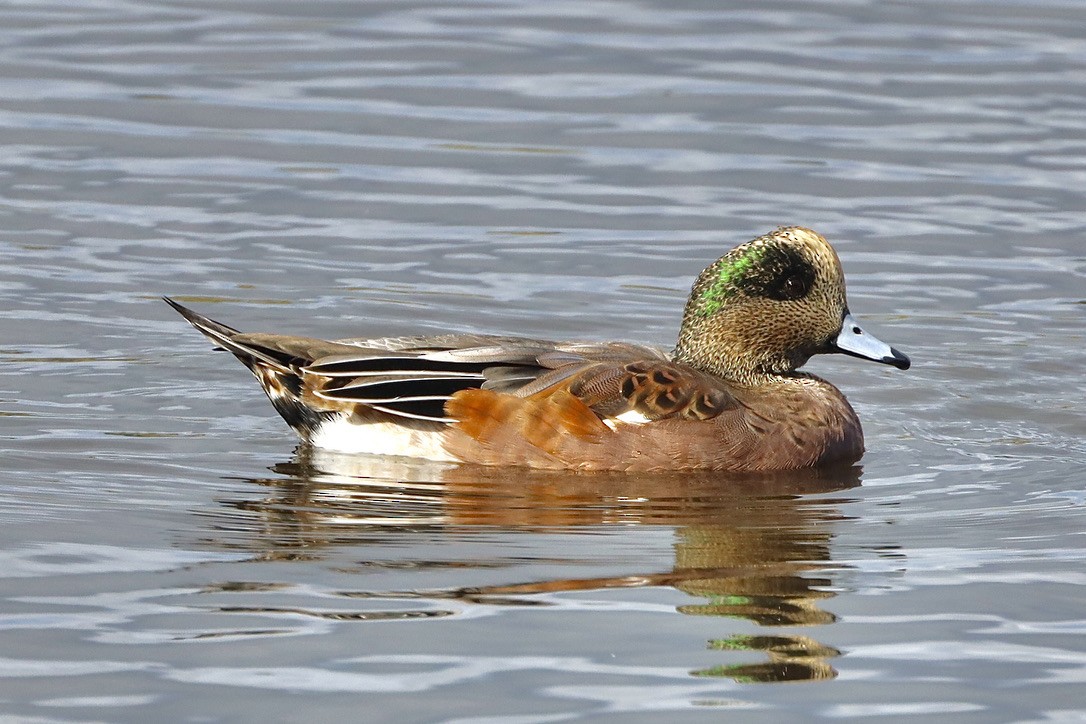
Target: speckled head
[766,306]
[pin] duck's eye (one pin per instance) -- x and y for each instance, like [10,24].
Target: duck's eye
[782,274]
[794,287]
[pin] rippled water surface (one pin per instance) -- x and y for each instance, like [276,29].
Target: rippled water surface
[558,170]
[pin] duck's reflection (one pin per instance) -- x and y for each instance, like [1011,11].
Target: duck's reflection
[751,547]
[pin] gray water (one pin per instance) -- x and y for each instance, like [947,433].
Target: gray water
[558,170]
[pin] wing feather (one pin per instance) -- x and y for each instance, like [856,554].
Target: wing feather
[652,389]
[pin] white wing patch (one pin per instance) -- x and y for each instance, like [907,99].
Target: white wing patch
[630,417]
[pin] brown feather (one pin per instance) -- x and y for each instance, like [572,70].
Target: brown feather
[503,425]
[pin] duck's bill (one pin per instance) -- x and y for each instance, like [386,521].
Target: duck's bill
[853,340]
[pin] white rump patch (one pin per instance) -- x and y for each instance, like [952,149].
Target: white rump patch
[380,438]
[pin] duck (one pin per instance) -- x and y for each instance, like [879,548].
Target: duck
[728,397]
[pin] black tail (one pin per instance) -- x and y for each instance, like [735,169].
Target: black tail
[225,338]
[210,327]
[270,366]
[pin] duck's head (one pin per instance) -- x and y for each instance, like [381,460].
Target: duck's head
[766,306]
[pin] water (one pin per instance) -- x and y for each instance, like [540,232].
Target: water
[557,170]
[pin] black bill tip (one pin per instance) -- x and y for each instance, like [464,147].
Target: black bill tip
[897,359]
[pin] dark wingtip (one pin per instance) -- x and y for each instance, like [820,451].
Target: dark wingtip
[193,318]
[174,304]
[202,323]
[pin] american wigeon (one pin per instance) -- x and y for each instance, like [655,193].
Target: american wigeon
[728,397]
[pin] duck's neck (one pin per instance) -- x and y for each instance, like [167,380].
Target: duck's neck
[738,368]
